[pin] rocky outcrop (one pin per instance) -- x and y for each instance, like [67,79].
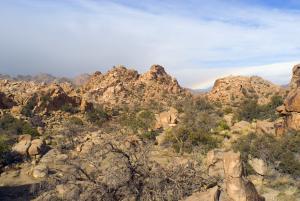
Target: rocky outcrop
[28,147]
[167,119]
[229,167]
[233,90]
[290,110]
[124,86]
[238,187]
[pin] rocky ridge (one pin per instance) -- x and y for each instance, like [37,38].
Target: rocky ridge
[233,90]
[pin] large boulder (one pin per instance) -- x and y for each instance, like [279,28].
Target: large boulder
[259,166]
[265,127]
[167,119]
[214,163]
[238,187]
[40,171]
[23,145]
[211,194]
[37,147]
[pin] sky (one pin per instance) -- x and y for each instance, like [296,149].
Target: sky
[196,41]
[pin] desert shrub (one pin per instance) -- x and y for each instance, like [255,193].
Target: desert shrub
[76,121]
[67,107]
[279,153]
[27,110]
[13,126]
[228,110]
[222,125]
[195,127]
[138,121]
[121,172]
[4,148]
[184,139]
[97,116]
[250,109]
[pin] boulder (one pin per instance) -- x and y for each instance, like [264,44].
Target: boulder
[211,194]
[37,147]
[242,127]
[265,127]
[23,145]
[167,119]
[214,163]
[238,188]
[293,121]
[68,191]
[259,166]
[40,171]
[292,102]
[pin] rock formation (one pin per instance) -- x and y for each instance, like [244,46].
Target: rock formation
[124,86]
[233,90]
[229,167]
[290,110]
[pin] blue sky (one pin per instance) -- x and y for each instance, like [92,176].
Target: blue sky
[196,40]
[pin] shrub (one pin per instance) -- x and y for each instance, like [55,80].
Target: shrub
[76,121]
[97,116]
[4,148]
[279,153]
[27,110]
[11,125]
[67,107]
[250,110]
[138,121]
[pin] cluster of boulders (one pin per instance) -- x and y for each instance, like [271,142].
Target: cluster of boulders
[290,110]
[233,90]
[29,147]
[233,186]
[125,86]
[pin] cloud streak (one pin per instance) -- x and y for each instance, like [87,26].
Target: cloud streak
[192,40]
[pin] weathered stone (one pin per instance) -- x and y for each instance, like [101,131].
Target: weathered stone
[68,191]
[238,187]
[214,163]
[167,119]
[209,195]
[265,127]
[37,147]
[23,145]
[258,165]
[40,171]
[242,127]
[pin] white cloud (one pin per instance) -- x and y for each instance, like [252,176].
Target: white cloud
[194,42]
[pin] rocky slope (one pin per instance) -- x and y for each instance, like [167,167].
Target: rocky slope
[233,90]
[124,86]
[291,108]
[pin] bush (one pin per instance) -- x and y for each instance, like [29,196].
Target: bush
[13,126]
[279,153]
[76,121]
[4,148]
[97,116]
[183,139]
[67,107]
[27,110]
[250,110]
[138,121]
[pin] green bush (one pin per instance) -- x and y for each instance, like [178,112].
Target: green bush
[138,121]
[184,139]
[4,148]
[250,110]
[67,107]
[27,110]
[13,126]
[76,121]
[279,153]
[97,116]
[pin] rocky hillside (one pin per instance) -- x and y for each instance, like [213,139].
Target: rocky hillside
[121,86]
[127,136]
[233,90]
